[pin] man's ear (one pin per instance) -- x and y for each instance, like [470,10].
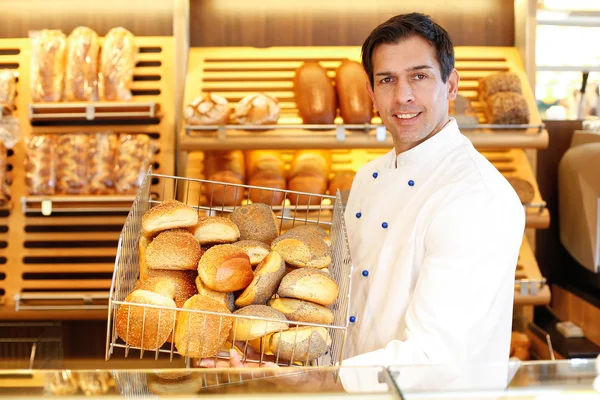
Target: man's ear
[371,94]
[453,80]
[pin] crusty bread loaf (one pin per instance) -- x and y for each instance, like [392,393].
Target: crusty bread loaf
[256,221]
[507,108]
[197,335]
[308,229]
[170,214]
[256,109]
[117,63]
[173,249]
[302,311]
[266,280]
[217,161]
[132,320]
[101,162]
[309,284]
[71,163]
[342,181]
[225,268]
[267,196]
[207,109]
[81,68]
[248,329]
[48,48]
[8,87]
[264,161]
[524,189]
[257,251]
[499,82]
[307,183]
[223,194]
[173,286]
[311,162]
[300,248]
[300,344]
[351,87]
[226,298]
[215,230]
[314,93]
[40,164]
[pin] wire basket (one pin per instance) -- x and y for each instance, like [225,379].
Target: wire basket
[30,345]
[215,198]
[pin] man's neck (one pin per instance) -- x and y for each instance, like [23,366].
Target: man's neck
[402,147]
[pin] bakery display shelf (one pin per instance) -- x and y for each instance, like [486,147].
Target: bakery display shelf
[48,205]
[271,70]
[50,301]
[335,136]
[530,285]
[94,111]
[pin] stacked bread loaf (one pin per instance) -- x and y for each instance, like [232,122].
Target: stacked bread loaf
[214,109]
[503,102]
[266,169]
[309,173]
[260,286]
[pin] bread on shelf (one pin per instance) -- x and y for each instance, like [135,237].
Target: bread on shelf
[355,104]
[117,63]
[207,109]
[256,109]
[81,68]
[499,82]
[524,189]
[314,94]
[48,48]
[507,108]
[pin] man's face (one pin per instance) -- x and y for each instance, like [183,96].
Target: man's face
[408,91]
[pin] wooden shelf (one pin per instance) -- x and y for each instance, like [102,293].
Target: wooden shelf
[93,111]
[530,285]
[48,205]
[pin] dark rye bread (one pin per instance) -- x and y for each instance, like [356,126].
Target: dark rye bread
[255,221]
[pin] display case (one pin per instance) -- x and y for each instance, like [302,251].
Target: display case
[573,380]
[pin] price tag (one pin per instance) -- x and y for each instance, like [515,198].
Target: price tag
[380,133]
[221,133]
[89,112]
[46,207]
[340,133]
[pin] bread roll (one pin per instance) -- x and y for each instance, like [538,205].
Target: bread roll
[71,163]
[256,221]
[300,344]
[215,230]
[117,63]
[170,214]
[351,87]
[315,184]
[133,319]
[226,298]
[310,285]
[256,109]
[225,268]
[308,229]
[224,194]
[267,196]
[315,162]
[47,65]
[207,109]
[301,249]
[173,249]
[500,82]
[266,280]
[342,181]
[217,161]
[507,108]
[315,95]
[200,335]
[101,162]
[302,311]
[247,329]
[524,189]
[257,251]
[175,287]
[270,161]
[81,72]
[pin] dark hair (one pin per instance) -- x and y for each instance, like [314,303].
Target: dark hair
[404,26]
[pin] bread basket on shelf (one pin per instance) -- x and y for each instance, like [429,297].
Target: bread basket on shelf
[255,338]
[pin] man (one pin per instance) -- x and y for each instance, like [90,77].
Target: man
[434,229]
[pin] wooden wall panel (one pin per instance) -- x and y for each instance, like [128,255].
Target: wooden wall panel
[266,23]
[141,17]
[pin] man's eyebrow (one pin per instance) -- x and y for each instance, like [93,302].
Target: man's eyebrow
[415,68]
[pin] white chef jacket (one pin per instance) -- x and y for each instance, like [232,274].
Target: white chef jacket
[434,236]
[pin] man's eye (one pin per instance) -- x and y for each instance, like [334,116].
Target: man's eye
[386,80]
[420,77]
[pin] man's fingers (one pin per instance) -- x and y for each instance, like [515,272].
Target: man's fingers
[234,359]
[207,363]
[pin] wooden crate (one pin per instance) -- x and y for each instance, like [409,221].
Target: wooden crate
[60,265]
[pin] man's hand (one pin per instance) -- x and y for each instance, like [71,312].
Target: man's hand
[235,361]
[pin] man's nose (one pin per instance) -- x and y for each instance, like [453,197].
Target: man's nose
[404,93]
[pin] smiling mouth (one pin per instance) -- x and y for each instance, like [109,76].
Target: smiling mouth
[407,115]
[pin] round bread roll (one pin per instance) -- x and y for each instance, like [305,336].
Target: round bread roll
[524,189]
[257,251]
[142,247]
[266,280]
[176,288]
[174,249]
[229,160]
[256,109]
[173,375]
[186,385]
[302,311]
[200,335]
[247,329]
[309,284]
[307,183]
[227,299]
[342,181]
[311,162]
[225,268]
[170,214]
[270,181]
[132,320]
[207,109]
[300,344]
[302,249]
[264,161]
[309,229]
[215,230]
[222,194]
[255,221]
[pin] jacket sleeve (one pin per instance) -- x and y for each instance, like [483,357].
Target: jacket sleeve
[465,285]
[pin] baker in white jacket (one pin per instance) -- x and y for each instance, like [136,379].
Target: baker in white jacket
[434,229]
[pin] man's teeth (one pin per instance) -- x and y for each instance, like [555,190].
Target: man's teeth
[406,116]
